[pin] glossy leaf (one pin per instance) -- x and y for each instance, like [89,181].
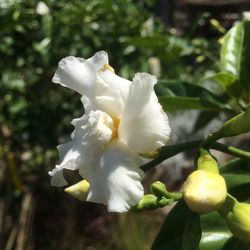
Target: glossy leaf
[214,232]
[235,56]
[179,95]
[216,235]
[181,230]
[237,125]
[228,81]
[237,176]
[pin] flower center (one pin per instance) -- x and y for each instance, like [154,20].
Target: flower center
[116,123]
[108,67]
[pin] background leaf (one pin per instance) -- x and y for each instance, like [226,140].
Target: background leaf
[180,95]
[235,56]
[181,230]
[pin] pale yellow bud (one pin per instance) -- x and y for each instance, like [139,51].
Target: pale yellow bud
[207,162]
[204,191]
[79,190]
[238,221]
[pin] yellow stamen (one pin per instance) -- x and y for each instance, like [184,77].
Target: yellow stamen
[108,67]
[116,123]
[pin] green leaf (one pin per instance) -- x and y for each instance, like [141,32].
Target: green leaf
[228,81]
[216,235]
[179,95]
[214,232]
[182,103]
[192,232]
[237,125]
[237,177]
[235,56]
[181,230]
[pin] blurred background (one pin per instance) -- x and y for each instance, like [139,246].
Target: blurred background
[178,40]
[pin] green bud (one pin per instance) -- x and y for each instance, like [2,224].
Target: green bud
[150,202]
[207,162]
[217,26]
[237,216]
[159,189]
[204,191]
[79,190]
[239,124]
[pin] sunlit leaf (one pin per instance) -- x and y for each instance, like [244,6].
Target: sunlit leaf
[179,95]
[235,56]
[216,235]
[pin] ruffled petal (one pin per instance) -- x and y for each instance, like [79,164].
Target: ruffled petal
[97,131]
[80,75]
[78,123]
[115,178]
[70,154]
[99,59]
[144,125]
[110,80]
[111,92]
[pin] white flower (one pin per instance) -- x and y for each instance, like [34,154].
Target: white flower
[122,120]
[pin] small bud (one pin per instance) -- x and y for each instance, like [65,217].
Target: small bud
[79,190]
[204,191]
[237,216]
[207,162]
[239,124]
[159,189]
[217,26]
[150,202]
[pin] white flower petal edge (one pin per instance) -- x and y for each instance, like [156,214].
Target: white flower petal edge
[96,132]
[71,155]
[122,119]
[115,179]
[79,74]
[144,125]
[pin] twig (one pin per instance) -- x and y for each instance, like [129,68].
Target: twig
[25,222]
[12,239]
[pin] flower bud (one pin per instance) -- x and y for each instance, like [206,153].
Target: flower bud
[207,162]
[239,124]
[204,191]
[79,190]
[237,216]
[150,202]
[159,189]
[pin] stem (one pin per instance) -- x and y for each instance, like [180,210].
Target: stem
[172,150]
[169,151]
[227,206]
[230,150]
[176,196]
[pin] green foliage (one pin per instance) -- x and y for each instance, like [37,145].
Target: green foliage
[235,62]
[35,115]
[180,230]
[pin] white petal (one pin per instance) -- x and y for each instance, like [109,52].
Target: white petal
[70,154]
[57,178]
[99,128]
[79,74]
[99,59]
[109,79]
[111,93]
[92,133]
[78,123]
[144,125]
[115,179]
[114,106]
